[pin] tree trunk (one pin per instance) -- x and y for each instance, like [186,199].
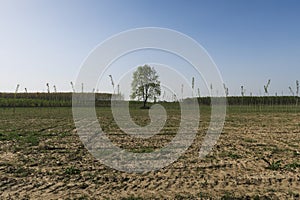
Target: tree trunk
[146,96]
[145,102]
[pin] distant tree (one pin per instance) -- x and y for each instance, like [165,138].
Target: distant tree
[145,84]
[291,91]
[199,92]
[297,88]
[267,86]
[226,90]
[112,82]
[193,86]
[242,91]
[17,88]
[72,85]
[297,92]
[15,95]
[48,88]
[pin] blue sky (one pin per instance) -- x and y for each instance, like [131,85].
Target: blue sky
[250,41]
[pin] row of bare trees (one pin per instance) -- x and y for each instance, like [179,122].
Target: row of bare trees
[293,92]
[243,90]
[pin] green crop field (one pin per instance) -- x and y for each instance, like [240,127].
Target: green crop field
[257,156]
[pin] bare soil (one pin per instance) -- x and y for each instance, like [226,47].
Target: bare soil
[256,157]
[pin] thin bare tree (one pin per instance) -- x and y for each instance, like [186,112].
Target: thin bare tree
[266,87]
[17,89]
[48,88]
[15,96]
[193,86]
[297,92]
[291,91]
[243,91]
[297,88]
[112,82]
[226,90]
[72,85]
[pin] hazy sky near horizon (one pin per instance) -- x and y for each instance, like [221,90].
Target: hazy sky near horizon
[46,41]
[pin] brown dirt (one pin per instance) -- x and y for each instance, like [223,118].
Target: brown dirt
[59,167]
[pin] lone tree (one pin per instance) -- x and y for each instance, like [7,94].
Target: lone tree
[145,84]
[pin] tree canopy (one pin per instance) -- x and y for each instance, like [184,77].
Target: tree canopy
[145,84]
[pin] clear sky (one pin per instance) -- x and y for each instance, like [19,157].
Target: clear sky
[250,41]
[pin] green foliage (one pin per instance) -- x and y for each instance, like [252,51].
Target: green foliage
[9,136]
[294,165]
[72,170]
[22,172]
[145,84]
[32,140]
[11,100]
[25,138]
[274,165]
[46,99]
[230,155]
